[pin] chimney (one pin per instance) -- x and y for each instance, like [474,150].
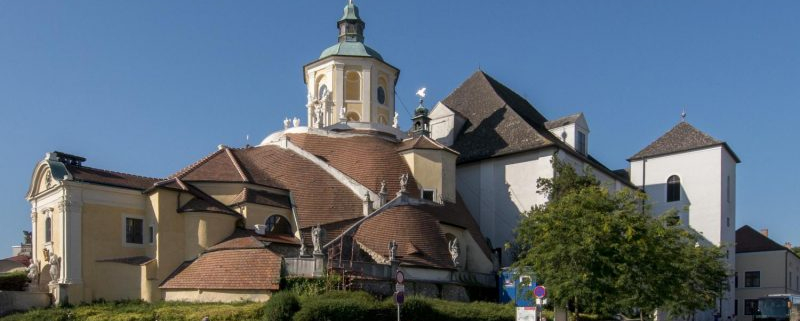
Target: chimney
[764,232]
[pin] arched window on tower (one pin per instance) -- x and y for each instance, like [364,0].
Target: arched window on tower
[673,188]
[48,230]
[352,86]
[277,224]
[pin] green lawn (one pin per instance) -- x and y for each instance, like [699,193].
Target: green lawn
[140,311]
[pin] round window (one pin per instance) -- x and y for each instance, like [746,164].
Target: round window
[381,95]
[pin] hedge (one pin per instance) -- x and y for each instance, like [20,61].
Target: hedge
[16,281]
[281,307]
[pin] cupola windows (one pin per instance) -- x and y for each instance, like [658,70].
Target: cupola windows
[48,230]
[673,188]
[352,86]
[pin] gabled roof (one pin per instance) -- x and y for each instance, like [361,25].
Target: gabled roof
[563,121]
[220,166]
[423,142]
[681,138]
[750,240]
[499,121]
[109,178]
[233,269]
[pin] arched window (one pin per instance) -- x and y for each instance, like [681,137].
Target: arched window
[277,224]
[352,87]
[353,116]
[673,188]
[382,120]
[48,230]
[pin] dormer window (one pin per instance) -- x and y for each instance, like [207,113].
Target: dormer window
[277,224]
[580,144]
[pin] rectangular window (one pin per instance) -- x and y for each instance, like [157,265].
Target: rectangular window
[735,307]
[151,234]
[752,279]
[750,307]
[581,143]
[134,228]
[728,219]
[428,194]
[736,280]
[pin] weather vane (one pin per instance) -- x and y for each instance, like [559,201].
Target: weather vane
[421,94]
[683,114]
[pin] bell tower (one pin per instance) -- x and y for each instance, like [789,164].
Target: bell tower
[350,82]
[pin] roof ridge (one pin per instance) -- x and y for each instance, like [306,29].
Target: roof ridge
[122,173]
[235,161]
[186,170]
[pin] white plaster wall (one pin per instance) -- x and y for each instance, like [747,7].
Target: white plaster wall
[497,190]
[217,295]
[700,172]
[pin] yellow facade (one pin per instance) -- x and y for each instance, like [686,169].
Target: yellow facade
[434,170]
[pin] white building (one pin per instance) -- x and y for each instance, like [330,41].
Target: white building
[506,145]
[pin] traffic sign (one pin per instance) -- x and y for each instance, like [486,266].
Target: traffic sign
[400,277]
[399,287]
[539,291]
[399,297]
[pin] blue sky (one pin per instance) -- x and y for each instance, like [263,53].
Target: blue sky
[148,87]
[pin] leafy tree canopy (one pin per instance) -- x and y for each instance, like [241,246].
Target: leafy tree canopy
[603,252]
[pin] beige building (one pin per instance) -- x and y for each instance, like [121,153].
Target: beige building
[350,193]
[763,267]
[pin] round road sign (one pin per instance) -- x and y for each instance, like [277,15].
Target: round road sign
[400,277]
[399,297]
[539,291]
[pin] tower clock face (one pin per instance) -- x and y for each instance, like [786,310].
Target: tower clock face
[381,95]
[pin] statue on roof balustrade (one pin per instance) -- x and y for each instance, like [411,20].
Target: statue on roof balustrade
[316,238]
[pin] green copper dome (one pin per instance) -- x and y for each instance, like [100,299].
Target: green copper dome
[351,37]
[350,49]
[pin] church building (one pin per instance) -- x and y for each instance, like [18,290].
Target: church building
[347,191]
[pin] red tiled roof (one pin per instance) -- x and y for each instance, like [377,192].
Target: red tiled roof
[221,166]
[110,178]
[319,197]
[419,238]
[23,260]
[249,195]
[368,159]
[235,269]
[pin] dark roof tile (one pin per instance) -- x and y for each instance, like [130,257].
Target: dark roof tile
[682,137]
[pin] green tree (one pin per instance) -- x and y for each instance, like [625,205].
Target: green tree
[603,252]
[796,250]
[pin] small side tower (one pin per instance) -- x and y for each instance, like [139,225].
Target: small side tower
[421,123]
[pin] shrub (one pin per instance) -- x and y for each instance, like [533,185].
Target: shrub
[281,307]
[16,281]
[422,308]
[311,286]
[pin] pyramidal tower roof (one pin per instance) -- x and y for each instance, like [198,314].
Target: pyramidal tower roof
[681,138]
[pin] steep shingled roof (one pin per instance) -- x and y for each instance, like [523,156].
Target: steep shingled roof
[750,240]
[682,137]
[499,121]
[231,269]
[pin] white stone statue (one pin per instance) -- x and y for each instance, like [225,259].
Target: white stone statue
[319,115]
[342,113]
[383,187]
[454,251]
[316,238]
[310,99]
[392,250]
[54,268]
[302,250]
[396,119]
[403,183]
[33,271]
[286,123]
[296,122]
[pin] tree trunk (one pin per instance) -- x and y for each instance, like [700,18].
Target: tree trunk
[641,315]
[577,315]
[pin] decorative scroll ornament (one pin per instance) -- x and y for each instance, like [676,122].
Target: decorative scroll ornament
[454,248]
